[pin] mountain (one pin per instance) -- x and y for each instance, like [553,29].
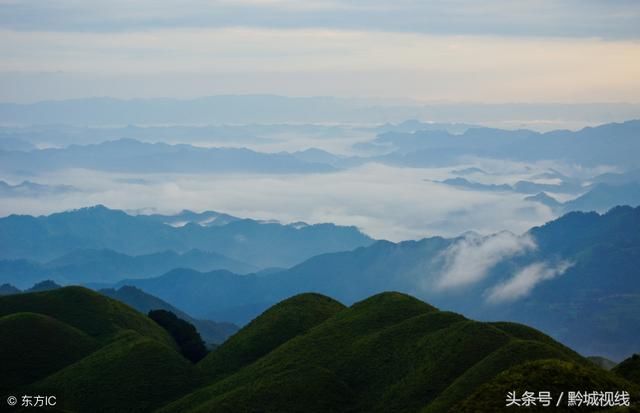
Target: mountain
[8,289]
[603,197]
[613,178]
[465,183]
[315,155]
[107,266]
[129,155]
[600,197]
[607,144]
[206,218]
[574,278]
[526,187]
[32,189]
[389,352]
[25,138]
[544,199]
[256,243]
[212,332]
[629,369]
[46,285]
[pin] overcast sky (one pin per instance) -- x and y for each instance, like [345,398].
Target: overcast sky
[454,50]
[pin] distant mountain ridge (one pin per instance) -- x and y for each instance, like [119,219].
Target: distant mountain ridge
[108,266]
[32,189]
[130,155]
[212,332]
[249,241]
[600,197]
[607,144]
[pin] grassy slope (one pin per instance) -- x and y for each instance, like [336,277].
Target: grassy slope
[86,310]
[280,323]
[390,352]
[629,369]
[90,350]
[44,345]
[555,376]
[132,373]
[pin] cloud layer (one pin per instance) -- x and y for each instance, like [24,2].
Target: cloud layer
[469,260]
[568,18]
[494,51]
[525,280]
[386,202]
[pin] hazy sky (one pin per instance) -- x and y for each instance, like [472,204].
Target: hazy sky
[457,50]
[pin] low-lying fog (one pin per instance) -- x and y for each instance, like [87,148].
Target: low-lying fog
[385,202]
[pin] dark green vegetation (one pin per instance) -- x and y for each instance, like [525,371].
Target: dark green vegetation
[280,323]
[555,376]
[184,333]
[309,353]
[390,352]
[36,345]
[130,374]
[94,314]
[630,369]
[211,332]
[90,351]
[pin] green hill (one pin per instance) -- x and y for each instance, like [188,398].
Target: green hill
[629,369]
[555,376]
[94,314]
[132,374]
[44,344]
[309,353]
[390,352]
[274,327]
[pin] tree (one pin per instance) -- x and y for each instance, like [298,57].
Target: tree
[184,333]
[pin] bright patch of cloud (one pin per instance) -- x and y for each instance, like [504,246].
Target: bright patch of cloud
[469,260]
[525,280]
